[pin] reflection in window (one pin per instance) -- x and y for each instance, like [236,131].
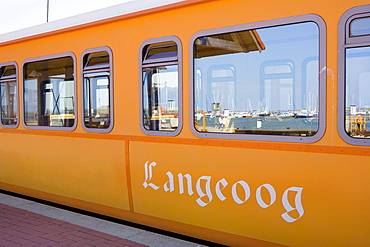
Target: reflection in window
[8,95]
[97,91]
[262,81]
[277,87]
[360,26]
[49,93]
[357,107]
[160,87]
[222,82]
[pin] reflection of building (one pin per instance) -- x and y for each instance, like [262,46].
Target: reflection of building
[160,93]
[8,94]
[221,86]
[31,98]
[277,78]
[277,85]
[171,105]
[244,41]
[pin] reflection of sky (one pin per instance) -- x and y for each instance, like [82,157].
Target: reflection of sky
[360,26]
[165,80]
[358,77]
[291,54]
[20,14]
[99,90]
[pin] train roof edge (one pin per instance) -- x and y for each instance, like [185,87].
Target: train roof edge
[121,11]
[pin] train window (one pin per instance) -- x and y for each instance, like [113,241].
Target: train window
[9,95]
[260,81]
[360,26]
[49,92]
[97,90]
[165,50]
[161,86]
[354,76]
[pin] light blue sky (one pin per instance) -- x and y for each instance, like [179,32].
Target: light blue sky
[19,14]
[23,18]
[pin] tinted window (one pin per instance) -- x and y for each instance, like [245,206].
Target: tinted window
[49,93]
[97,91]
[262,81]
[8,95]
[160,88]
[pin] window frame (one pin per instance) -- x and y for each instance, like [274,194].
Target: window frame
[111,88]
[345,41]
[321,83]
[17,95]
[143,63]
[75,100]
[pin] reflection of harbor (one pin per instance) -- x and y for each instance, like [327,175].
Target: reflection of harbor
[277,114]
[356,121]
[281,124]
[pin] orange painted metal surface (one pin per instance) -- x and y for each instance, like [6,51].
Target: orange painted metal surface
[242,193]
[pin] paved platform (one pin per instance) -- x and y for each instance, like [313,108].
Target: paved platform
[28,223]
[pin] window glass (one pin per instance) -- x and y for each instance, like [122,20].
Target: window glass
[96,60]
[160,87]
[49,93]
[164,51]
[360,26]
[160,96]
[354,76]
[259,81]
[97,91]
[8,95]
[357,106]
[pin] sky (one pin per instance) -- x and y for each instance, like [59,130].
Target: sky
[19,14]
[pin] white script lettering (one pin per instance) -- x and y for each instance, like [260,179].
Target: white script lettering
[169,183]
[181,184]
[247,192]
[289,208]
[272,192]
[148,175]
[218,189]
[201,193]
[240,191]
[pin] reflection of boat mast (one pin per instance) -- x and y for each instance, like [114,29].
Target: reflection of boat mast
[232,103]
[259,106]
[221,102]
[166,99]
[249,109]
[213,101]
[242,105]
[207,103]
[266,109]
[263,105]
[353,99]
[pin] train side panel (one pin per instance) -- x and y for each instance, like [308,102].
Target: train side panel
[282,196]
[78,168]
[236,192]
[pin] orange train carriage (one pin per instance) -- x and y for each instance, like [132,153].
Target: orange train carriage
[240,122]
